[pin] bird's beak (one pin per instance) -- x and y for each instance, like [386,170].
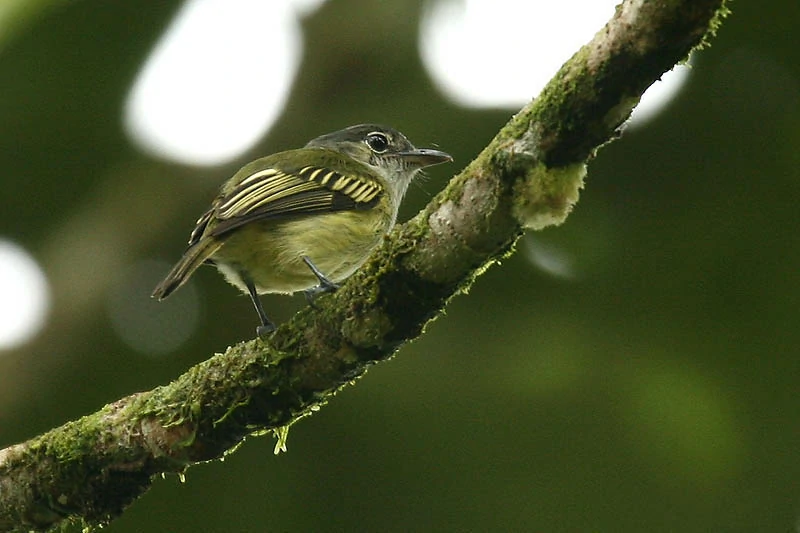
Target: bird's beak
[425,157]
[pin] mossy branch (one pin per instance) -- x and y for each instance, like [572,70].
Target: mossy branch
[528,177]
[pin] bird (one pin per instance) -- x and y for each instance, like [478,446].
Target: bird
[304,219]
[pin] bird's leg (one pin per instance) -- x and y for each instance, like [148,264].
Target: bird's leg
[267,326]
[325,285]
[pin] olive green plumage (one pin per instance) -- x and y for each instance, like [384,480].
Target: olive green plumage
[303,220]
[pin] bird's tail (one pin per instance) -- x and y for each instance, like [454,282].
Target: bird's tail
[192,258]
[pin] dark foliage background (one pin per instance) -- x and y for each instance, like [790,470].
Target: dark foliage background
[655,390]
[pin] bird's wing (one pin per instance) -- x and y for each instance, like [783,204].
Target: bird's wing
[271,192]
[200,226]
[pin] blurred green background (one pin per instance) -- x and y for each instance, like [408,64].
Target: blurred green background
[650,384]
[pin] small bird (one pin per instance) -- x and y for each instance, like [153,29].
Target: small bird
[305,219]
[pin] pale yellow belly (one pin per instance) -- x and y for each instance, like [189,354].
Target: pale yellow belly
[271,252]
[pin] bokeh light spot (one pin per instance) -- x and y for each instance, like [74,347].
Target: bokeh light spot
[550,258]
[501,53]
[659,94]
[217,80]
[684,419]
[24,296]
[148,326]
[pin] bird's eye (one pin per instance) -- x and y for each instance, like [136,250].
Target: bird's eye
[377,142]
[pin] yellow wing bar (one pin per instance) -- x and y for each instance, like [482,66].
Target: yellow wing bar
[358,188]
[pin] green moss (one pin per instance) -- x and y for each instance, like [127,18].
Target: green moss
[713,26]
[243,402]
[545,196]
[281,435]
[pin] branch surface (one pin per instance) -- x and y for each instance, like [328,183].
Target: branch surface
[529,176]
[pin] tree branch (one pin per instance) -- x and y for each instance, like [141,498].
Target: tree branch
[528,177]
